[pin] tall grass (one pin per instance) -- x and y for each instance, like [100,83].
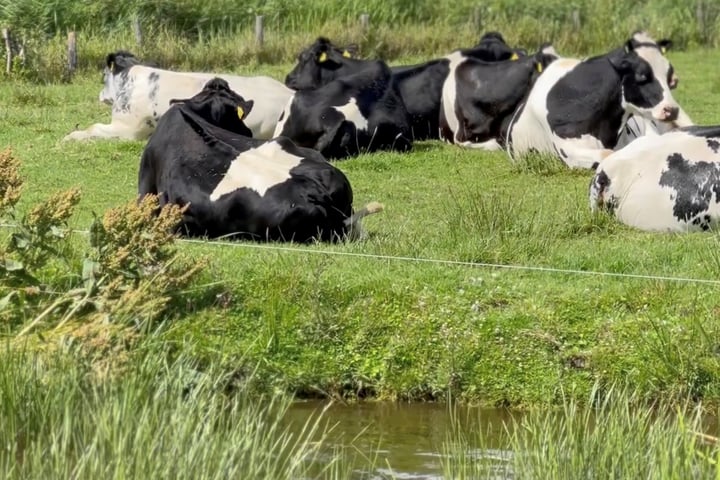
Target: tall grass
[160,419]
[202,35]
[614,436]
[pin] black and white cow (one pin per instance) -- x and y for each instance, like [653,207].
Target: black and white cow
[139,95]
[668,182]
[577,108]
[360,112]
[480,97]
[201,154]
[419,85]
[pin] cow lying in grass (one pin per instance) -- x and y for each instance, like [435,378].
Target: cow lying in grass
[357,113]
[140,95]
[480,97]
[577,108]
[201,154]
[420,86]
[668,182]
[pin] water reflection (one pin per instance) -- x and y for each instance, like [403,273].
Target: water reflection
[405,441]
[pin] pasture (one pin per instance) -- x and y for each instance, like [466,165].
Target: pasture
[405,314]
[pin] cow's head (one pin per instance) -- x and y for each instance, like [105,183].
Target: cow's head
[647,78]
[219,105]
[492,47]
[115,64]
[545,55]
[318,64]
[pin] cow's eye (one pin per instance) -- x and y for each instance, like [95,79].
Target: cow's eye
[641,78]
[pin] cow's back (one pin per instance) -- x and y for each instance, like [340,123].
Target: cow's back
[420,87]
[152,90]
[529,129]
[662,183]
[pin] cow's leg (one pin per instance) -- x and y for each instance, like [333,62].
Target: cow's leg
[331,123]
[584,157]
[146,183]
[580,153]
[489,145]
[112,130]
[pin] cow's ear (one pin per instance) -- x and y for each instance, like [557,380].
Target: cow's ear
[665,45]
[110,62]
[621,63]
[351,51]
[244,108]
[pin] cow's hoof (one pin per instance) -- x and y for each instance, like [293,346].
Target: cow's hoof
[77,135]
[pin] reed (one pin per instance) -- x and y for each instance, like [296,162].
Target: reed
[160,419]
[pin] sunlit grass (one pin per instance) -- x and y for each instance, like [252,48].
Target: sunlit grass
[157,418]
[614,435]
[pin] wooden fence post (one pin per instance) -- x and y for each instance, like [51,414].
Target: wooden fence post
[137,30]
[21,53]
[365,22]
[8,50]
[576,20]
[477,18]
[700,17]
[259,31]
[72,52]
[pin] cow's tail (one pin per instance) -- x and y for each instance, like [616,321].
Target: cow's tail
[352,223]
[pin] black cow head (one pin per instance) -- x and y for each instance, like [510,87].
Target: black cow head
[121,60]
[219,105]
[647,78]
[493,48]
[544,57]
[318,64]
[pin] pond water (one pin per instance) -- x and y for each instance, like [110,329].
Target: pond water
[405,441]
[408,441]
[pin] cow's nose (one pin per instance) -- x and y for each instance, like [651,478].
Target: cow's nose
[671,113]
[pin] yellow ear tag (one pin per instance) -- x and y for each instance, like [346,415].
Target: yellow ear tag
[241,112]
[346,54]
[663,50]
[538,66]
[514,56]
[322,58]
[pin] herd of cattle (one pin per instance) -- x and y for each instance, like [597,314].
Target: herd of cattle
[249,154]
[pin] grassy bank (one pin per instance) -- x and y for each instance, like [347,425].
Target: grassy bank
[169,419]
[219,35]
[321,322]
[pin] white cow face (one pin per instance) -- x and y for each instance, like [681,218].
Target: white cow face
[648,79]
[114,74]
[109,91]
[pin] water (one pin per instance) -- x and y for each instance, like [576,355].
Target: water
[405,441]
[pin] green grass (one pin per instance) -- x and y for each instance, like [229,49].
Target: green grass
[161,419]
[617,437]
[324,323]
[220,34]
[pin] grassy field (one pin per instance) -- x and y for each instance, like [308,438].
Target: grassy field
[354,320]
[220,34]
